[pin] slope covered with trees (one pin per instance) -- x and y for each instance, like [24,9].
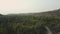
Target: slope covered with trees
[30,24]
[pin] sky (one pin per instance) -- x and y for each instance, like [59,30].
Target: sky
[27,6]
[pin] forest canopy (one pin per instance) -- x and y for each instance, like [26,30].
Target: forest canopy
[31,23]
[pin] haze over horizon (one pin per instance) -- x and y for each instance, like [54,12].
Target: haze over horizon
[27,6]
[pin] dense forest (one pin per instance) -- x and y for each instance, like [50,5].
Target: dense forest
[32,23]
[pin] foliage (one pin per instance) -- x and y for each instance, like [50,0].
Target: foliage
[28,24]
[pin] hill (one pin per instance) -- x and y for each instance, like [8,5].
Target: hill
[32,23]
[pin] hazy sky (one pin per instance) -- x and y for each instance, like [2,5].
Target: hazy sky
[26,6]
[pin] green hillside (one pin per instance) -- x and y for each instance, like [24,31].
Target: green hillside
[32,23]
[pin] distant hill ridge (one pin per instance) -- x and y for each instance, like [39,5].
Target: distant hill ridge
[53,12]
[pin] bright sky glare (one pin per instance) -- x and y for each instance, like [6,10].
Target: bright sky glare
[27,6]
